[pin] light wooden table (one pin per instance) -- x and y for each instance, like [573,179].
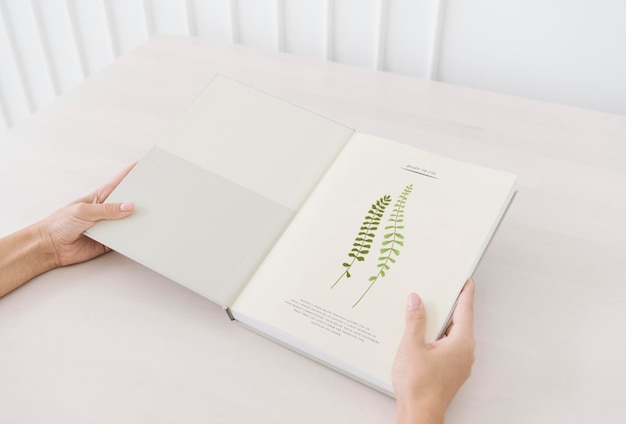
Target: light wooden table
[110,341]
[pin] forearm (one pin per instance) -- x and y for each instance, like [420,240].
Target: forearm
[24,255]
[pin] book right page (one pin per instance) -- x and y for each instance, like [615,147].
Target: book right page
[387,219]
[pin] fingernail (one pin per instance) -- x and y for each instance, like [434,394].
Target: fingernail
[127,207]
[413,302]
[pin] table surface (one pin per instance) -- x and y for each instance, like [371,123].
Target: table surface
[111,341]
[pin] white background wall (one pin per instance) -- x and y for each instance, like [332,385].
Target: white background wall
[566,51]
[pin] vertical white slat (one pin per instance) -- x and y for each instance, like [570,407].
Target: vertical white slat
[170,16]
[191,18]
[78,43]
[355,39]
[111,28]
[29,48]
[408,36]
[234,22]
[434,56]
[304,28]
[256,23]
[45,45]
[17,59]
[92,33]
[129,19]
[213,20]
[6,122]
[149,16]
[59,38]
[382,34]
[330,30]
[280,25]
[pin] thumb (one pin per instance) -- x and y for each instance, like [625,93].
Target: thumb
[415,319]
[93,212]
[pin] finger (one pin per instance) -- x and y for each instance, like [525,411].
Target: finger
[449,329]
[92,212]
[415,319]
[105,191]
[463,316]
[101,194]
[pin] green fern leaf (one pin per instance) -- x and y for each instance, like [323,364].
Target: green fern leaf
[362,243]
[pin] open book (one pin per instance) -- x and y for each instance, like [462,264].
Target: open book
[304,230]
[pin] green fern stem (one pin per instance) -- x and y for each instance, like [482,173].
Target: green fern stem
[393,241]
[346,272]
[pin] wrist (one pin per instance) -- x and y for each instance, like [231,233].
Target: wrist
[414,411]
[24,255]
[44,249]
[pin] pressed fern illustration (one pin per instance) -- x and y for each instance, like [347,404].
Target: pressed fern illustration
[365,237]
[393,240]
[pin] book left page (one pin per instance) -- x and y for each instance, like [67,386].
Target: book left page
[220,186]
